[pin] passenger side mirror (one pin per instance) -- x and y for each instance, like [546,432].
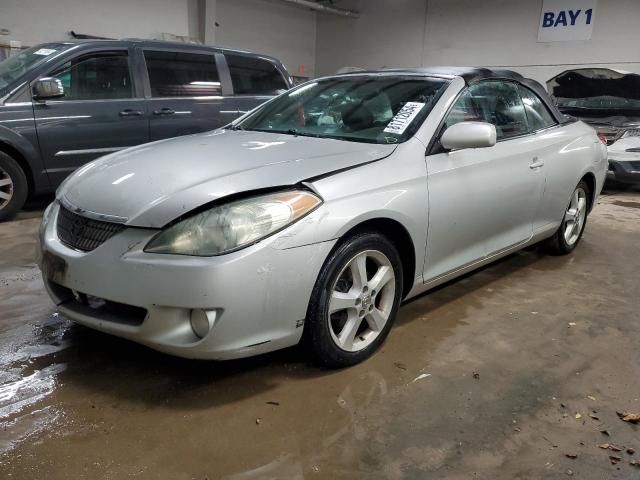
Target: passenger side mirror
[469,135]
[47,88]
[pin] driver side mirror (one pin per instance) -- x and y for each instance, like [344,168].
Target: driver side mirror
[469,135]
[47,88]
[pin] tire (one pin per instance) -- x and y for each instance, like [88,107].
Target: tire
[363,316]
[564,241]
[13,187]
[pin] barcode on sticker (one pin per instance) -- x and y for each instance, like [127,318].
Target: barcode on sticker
[404,117]
[44,52]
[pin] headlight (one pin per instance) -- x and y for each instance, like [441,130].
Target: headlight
[233,225]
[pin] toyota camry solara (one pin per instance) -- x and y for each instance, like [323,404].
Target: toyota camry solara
[312,217]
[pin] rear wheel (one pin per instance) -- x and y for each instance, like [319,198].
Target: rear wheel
[13,187]
[568,235]
[354,301]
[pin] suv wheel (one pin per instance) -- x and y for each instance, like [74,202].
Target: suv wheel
[354,301]
[13,187]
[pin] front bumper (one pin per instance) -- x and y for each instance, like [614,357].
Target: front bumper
[624,171]
[256,298]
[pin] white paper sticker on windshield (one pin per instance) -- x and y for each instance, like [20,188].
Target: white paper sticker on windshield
[404,117]
[44,52]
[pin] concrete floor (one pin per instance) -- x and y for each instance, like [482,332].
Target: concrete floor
[512,354]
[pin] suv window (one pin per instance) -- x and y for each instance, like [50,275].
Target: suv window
[97,76]
[251,75]
[179,74]
[494,102]
[538,115]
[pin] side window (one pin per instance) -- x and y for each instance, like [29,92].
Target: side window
[254,76]
[178,74]
[494,102]
[538,115]
[98,76]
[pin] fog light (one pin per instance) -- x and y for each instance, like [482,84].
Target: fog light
[200,323]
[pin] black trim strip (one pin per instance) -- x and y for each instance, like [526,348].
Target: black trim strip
[350,167]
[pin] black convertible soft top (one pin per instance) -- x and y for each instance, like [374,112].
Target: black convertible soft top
[472,75]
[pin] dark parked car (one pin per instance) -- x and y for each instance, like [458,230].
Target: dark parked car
[608,100]
[64,104]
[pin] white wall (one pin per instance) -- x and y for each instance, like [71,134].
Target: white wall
[37,21]
[388,33]
[505,32]
[501,33]
[284,31]
[270,27]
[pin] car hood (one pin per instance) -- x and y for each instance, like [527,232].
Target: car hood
[150,185]
[597,94]
[594,82]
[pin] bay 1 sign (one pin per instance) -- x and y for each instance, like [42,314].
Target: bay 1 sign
[566,20]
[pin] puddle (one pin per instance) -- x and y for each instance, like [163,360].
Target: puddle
[31,336]
[20,393]
[16,395]
[25,426]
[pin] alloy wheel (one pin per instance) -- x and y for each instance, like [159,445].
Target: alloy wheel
[6,188]
[574,216]
[361,300]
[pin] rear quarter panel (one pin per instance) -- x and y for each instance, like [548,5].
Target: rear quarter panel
[570,152]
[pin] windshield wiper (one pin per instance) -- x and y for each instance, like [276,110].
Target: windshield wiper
[295,132]
[290,131]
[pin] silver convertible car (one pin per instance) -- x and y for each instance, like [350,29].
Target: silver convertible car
[312,217]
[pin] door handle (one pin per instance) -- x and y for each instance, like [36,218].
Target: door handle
[536,163]
[131,113]
[164,111]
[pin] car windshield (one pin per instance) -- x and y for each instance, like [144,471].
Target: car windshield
[16,66]
[360,108]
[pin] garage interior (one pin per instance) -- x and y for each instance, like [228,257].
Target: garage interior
[521,369]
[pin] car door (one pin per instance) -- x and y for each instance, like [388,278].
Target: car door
[483,201]
[255,80]
[101,112]
[550,141]
[185,93]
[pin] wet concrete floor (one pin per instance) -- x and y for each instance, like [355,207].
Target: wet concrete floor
[501,374]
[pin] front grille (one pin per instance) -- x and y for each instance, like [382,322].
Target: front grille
[83,233]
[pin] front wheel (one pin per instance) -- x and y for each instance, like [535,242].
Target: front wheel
[354,301]
[568,235]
